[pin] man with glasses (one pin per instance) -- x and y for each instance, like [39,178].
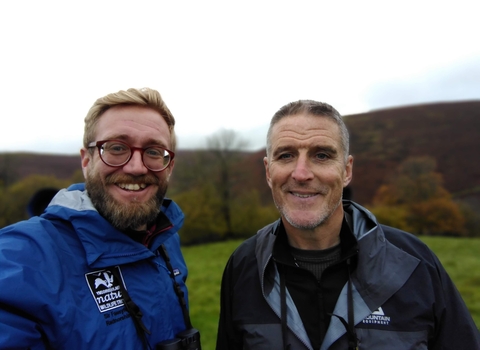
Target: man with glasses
[101,268]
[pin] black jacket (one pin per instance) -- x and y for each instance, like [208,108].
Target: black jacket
[402,296]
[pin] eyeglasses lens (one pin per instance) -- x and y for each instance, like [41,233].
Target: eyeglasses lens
[116,153]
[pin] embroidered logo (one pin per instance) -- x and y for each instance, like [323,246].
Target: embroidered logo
[377,317]
[105,289]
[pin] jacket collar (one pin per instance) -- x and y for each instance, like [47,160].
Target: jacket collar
[103,244]
[145,237]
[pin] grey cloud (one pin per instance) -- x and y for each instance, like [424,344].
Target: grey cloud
[457,82]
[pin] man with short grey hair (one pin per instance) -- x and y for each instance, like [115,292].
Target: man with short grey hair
[327,275]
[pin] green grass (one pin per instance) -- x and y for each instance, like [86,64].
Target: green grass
[460,257]
[205,264]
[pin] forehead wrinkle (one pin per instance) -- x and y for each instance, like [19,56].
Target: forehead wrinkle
[301,132]
[301,140]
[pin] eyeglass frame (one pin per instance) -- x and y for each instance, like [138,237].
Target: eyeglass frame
[99,144]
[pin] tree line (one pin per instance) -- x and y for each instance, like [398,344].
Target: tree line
[211,189]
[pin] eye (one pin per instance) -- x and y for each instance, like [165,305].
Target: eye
[155,152]
[285,156]
[322,156]
[115,147]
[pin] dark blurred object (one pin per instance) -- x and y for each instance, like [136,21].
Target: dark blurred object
[347,193]
[40,201]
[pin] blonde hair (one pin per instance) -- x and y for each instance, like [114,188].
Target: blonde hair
[141,97]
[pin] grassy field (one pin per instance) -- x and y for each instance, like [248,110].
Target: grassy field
[461,258]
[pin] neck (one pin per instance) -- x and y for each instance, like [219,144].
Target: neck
[141,228]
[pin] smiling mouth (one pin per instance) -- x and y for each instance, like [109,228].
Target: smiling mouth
[132,187]
[303,195]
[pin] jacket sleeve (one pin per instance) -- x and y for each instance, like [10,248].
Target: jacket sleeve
[226,338]
[455,326]
[18,331]
[18,326]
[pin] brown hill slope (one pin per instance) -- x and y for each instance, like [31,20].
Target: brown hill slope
[380,141]
[15,166]
[448,132]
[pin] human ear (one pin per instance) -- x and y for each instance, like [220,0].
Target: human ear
[86,158]
[267,171]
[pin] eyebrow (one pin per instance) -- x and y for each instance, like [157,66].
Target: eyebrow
[121,137]
[282,149]
[326,149]
[126,138]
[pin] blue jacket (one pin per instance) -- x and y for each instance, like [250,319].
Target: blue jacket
[402,296]
[56,285]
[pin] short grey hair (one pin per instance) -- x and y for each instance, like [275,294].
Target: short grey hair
[314,108]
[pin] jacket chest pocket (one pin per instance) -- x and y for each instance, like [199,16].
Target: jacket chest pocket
[375,339]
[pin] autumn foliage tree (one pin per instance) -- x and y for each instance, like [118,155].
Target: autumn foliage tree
[415,200]
[212,189]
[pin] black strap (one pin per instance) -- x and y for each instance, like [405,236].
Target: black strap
[176,287]
[132,308]
[350,326]
[353,340]
[283,297]
[135,312]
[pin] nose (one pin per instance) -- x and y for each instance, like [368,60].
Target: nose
[135,165]
[302,171]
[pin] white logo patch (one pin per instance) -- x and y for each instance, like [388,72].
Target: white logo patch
[105,289]
[377,317]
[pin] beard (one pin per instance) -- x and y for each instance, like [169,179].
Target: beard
[311,224]
[130,215]
[325,212]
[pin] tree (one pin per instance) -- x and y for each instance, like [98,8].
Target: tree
[192,169]
[249,215]
[7,170]
[437,216]
[414,199]
[201,206]
[225,145]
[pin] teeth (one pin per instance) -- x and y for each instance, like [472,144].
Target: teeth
[132,187]
[303,195]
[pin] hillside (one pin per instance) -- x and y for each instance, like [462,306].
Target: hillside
[380,141]
[448,132]
[14,166]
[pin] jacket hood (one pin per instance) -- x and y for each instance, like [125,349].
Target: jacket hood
[105,245]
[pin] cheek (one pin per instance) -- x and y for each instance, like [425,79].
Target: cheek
[275,176]
[334,175]
[98,169]
[164,176]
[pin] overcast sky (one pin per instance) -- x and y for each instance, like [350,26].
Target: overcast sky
[225,64]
